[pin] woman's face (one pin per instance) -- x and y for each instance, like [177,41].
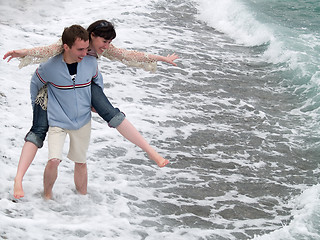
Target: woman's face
[99,44]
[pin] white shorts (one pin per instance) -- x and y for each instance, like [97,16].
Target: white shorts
[79,142]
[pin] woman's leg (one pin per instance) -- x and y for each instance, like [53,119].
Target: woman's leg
[127,130]
[33,140]
[116,119]
[28,153]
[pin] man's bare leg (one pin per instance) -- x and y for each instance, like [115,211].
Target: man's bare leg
[127,130]
[28,153]
[81,177]
[50,176]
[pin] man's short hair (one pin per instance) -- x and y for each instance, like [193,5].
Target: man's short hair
[72,33]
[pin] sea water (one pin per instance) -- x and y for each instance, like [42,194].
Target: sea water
[238,119]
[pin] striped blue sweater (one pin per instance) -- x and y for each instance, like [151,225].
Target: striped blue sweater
[69,102]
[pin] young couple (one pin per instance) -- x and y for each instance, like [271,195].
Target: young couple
[71,78]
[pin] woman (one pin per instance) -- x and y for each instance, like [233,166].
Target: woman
[101,33]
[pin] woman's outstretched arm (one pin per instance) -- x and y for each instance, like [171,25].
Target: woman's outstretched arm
[35,55]
[134,58]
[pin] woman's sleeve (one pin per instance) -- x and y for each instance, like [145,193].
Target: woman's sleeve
[131,58]
[41,54]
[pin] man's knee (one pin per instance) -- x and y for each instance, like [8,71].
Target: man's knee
[78,164]
[80,168]
[54,162]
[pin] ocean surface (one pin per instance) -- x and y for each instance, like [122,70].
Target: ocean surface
[238,119]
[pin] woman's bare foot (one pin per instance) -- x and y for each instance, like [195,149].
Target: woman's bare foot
[17,189]
[163,163]
[160,161]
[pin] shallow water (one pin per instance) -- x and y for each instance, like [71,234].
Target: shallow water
[238,119]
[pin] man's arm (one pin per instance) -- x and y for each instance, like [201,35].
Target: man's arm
[36,84]
[98,79]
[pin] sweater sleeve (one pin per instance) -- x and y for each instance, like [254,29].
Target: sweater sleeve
[98,79]
[131,58]
[36,84]
[41,54]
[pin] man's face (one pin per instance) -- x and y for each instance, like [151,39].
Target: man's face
[77,52]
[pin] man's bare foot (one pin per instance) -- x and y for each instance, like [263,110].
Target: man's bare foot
[160,161]
[47,196]
[17,189]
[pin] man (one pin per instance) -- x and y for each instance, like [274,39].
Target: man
[68,77]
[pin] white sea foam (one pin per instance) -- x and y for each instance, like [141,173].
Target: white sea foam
[305,224]
[232,18]
[236,19]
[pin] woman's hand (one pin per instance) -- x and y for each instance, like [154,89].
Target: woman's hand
[171,58]
[15,54]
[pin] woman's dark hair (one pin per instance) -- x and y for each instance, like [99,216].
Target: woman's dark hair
[102,28]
